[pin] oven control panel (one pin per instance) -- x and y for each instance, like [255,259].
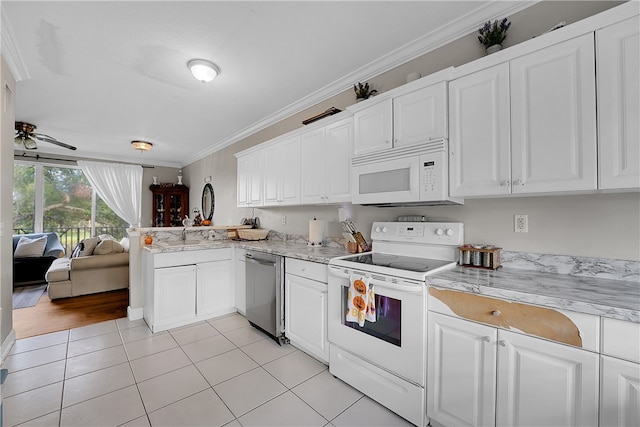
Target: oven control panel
[446,233]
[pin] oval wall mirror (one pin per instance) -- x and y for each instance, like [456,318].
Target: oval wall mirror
[208,202]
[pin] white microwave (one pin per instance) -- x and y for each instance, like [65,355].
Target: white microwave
[415,175]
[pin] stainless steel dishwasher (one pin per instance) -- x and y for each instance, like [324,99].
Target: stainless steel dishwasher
[264,293]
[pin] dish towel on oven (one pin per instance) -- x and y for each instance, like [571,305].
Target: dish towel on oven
[362,301]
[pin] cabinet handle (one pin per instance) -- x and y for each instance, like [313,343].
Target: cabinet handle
[504,183]
[487,339]
[496,313]
[502,343]
[518,182]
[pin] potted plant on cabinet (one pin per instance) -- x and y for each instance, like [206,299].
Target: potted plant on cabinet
[492,35]
[363,91]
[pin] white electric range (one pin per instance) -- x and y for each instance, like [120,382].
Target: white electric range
[386,359]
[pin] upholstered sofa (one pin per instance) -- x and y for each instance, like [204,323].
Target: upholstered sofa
[31,269]
[84,274]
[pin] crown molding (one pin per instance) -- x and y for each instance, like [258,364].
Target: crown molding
[464,25]
[10,51]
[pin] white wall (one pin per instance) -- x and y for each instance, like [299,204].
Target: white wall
[6,204]
[598,225]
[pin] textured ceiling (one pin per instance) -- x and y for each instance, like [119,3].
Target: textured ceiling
[100,74]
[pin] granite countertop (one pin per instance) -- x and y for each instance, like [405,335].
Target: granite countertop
[617,299]
[292,249]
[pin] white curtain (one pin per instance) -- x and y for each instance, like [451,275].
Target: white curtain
[119,185]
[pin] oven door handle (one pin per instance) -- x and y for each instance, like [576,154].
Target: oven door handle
[416,289]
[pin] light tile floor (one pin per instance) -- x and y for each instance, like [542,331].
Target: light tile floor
[221,372]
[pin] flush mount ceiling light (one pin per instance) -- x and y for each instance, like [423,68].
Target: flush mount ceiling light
[203,70]
[141,145]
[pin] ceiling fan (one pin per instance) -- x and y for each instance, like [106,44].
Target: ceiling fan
[26,136]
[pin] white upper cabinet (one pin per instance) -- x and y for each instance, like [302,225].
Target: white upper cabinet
[250,178]
[339,144]
[479,147]
[526,126]
[617,52]
[407,115]
[373,128]
[553,118]
[418,116]
[325,161]
[282,172]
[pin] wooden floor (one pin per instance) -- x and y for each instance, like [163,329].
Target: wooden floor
[67,313]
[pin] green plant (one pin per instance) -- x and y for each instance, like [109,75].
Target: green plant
[494,33]
[363,91]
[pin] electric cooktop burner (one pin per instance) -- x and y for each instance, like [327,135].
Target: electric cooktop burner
[420,265]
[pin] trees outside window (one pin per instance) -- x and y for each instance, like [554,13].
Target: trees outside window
[57,198]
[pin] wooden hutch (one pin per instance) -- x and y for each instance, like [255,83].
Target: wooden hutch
[170,204]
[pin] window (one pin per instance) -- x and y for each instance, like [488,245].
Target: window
[60,199]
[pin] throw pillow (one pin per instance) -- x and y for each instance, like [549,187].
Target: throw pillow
[30,247]
[106,237]
[76,251]
[107,247]
[89,245]
[125,244]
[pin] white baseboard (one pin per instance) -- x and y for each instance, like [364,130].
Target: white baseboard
[135,313]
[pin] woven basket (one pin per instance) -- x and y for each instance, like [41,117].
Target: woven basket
[253,233]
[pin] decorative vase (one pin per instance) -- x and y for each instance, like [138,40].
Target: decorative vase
[155,180]
[493,49]
[179,179]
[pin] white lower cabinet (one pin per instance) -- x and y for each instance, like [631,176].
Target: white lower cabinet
[461,378]
[306,307]
[620,392]
[174,295]
[216,294]
[240,280]
[185,287]
[542,383]
[479,375]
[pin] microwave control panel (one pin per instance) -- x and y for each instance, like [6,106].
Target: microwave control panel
[432,175]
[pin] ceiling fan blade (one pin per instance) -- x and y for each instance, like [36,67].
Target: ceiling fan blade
[51,140]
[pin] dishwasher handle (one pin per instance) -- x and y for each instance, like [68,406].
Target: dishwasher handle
[250,258]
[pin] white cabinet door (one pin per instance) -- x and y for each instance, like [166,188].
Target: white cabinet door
[617,52]
[553,118]
[249,179]
[373,128]
[174,295]
[420,116]
[461,371]
[256,168]
[215,294]
[306,315]
[479,144]
[272,174]
[282,172]
[240,280]
[619,393]
[312,165]
[338,148]
[542,383]
[242,181]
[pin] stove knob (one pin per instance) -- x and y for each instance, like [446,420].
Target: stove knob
[385,229]
[439,231]
[449,232]
[378,229]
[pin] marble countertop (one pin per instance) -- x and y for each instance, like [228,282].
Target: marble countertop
[616,299]
[294,249]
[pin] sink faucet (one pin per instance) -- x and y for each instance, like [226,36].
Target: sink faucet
[184,234]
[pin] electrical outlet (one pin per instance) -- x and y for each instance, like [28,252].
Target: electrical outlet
[521,223]
[284,220]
